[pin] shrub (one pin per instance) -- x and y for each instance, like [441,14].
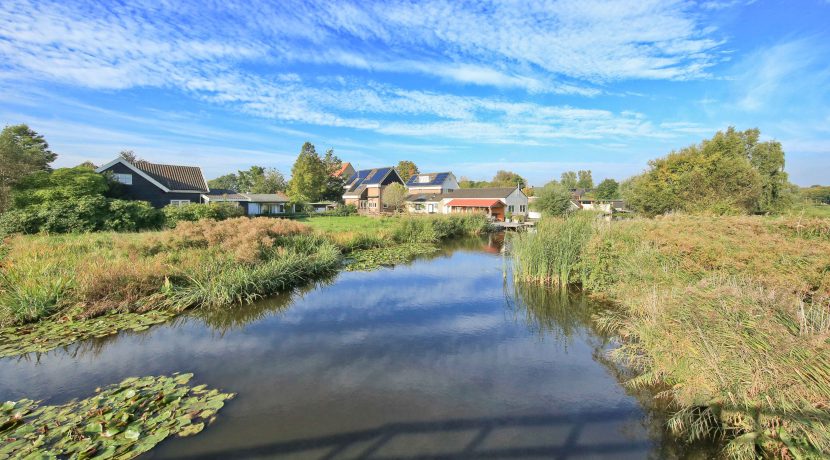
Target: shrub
[85,214]
[246,238]
[196,211]
[131,216]
[342,210]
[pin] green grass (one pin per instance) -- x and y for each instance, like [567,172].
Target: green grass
[811,210]
[336,224]
[725,319]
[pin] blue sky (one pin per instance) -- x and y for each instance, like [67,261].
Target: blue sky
[534,87]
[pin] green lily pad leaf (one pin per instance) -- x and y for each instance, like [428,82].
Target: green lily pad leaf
[132,434]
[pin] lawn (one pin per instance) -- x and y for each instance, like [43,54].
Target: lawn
[334,224]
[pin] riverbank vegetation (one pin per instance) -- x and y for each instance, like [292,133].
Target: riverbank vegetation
[726,318]
[56,289]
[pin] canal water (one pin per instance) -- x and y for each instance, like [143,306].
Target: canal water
[441,358]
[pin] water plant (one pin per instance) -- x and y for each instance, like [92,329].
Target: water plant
[119,421]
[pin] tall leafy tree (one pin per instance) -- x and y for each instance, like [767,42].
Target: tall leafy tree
[61,185]
[256,179]
[554,199]
[508,179]
[568,180]
[334,184]
[129,155]
[768,159]
[406,169]
[608,189]
[22,152]
[584,179]
[308,176]
[226,182]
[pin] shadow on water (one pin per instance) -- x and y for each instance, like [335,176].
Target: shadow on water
[474,435]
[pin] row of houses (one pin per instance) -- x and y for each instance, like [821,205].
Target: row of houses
[428,193]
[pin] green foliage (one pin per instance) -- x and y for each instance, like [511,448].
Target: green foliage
[732,173]
[121,421]
[406,169]
[79,215]
[334,184]
[584,180]
[553,200]
[394,196]
[465,182]
[507,179]
[22,152]
[608,189]
[309,177]
[60,185]
[816,194]
[192,212]
[569,180]
[255,180]
[342,210]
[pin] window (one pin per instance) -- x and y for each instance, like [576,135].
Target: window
[450,190]
[510,208]
[179,202]
[431,208]
[522,208]
[126,179]
[423,179]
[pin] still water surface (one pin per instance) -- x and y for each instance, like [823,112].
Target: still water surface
[442,358]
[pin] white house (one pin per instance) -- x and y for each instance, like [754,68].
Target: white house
[496,202]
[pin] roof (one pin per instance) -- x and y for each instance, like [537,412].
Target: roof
[487,192]
[175,177]
[230,195]
[424,197]
[475,202]
[434,179]
[367,177]
[219,194]
[268,197]
[342,169]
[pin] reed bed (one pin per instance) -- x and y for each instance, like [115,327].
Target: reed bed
[725,319]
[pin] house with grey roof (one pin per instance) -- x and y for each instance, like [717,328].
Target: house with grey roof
[158,184]
[365,188]
[254,204]
[495,202]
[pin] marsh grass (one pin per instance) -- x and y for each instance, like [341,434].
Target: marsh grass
[552,254]
[725,319]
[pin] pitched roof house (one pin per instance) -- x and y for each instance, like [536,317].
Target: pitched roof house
[346,171]
[440,182]
[496,202]
[364,189]
[158,184]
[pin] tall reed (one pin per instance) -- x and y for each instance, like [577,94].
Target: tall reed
[552,254]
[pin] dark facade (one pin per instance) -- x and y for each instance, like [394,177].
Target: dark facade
[144,190]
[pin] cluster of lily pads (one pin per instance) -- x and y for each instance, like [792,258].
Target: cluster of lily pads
[372,259]
[120,421]
[50,334]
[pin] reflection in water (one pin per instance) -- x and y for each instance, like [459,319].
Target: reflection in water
[439,358]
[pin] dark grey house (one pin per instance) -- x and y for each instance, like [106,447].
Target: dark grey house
[161,185]
[254,204]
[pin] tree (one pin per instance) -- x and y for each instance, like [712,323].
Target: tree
[608,189]
[60,185]
[507,179]
[554,199]
[585,181]
[569,180]
[466,182]
[226,182]
[817,194]
[768,159]
[334,184]
[88,164]
[394,196]
[129,156]
[308,176]
[715,176]
[270,181]
[22,152]
[406,169]
[254,180]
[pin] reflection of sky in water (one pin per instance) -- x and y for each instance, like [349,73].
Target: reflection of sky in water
[429,342]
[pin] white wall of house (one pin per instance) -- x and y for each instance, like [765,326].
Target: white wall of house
[518,201]
[450,184]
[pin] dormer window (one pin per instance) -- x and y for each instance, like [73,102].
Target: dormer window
[423,179]
[126,179]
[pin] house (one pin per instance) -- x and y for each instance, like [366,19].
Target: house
[441,182]
[158,184]
[346,171]
[255,204]
[364,189]
[323,206]
[496,202]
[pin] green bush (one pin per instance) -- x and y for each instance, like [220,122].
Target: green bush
[342,210]
[198,211]
[84,214]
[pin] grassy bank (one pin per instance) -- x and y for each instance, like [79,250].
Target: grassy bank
[726,319]
[53,286]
